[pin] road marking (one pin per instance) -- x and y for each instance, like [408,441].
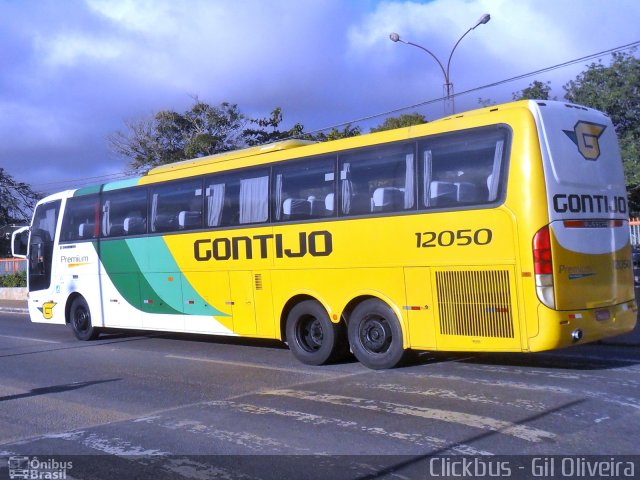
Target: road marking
[447,394]
[112,446]
[243,439]
[29,339]
[436,443]
[253,365]
[523,432]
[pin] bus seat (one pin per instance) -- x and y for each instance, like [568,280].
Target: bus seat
[386,199]
[115,230]
[164,222]
[86,230]
[467,192]
[329,203]
[189,219]
[443,193]
[134,225]
[360,203]
[316,206]
[295,208]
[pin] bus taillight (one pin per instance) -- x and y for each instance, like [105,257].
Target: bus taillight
[543,265]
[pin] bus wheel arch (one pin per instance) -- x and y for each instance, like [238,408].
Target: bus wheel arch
[78,316]
[375,332]
[311,335]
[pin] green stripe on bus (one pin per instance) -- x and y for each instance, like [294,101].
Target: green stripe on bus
[118,259]
[159,291]
[163,264]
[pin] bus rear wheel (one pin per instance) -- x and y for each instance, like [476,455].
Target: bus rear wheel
[80,319]
[375,335]
[312,337]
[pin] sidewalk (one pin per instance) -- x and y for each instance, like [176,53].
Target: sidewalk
[629,339]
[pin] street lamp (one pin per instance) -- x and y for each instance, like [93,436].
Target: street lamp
[447,88]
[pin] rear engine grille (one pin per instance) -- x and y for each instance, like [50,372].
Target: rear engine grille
[475,303]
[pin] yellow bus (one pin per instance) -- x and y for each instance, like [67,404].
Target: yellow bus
[503,229]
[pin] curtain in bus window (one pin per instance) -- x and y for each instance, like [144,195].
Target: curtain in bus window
[47,223]
[50,222]
[493,180]
[278,196]
[106,223]
[347,187]
[254,199]
[409,187]
[154,212]
[215,203]
[426,178]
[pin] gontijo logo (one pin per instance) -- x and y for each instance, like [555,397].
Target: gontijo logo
[47,309]
[585,135]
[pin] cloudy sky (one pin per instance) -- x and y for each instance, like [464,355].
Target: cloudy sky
[74,70]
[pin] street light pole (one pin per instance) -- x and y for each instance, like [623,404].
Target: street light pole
[447,88]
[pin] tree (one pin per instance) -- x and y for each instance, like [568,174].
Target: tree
[536,90]
[170,136]
[404,120]
[17,200]
[267,131]
[335,134]
[203,129]
[616,90]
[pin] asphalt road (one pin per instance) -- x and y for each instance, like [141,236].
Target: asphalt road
[145,405]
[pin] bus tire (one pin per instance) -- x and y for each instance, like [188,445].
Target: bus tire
[312,337]
[375,335]
[80,320]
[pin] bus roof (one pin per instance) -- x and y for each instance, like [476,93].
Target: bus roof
[232,155]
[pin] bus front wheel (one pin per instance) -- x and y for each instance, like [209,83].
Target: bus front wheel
[375,335]
[80,319]
[312,337]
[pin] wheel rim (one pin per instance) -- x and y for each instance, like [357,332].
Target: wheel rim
[81,320]
[309,334]
[375,334]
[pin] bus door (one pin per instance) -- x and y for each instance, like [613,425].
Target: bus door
[40,264]
[40,255]
[243,307]
[419,307]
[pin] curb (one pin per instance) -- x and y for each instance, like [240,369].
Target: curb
[20,311]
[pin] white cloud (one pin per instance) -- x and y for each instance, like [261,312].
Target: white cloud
[71,49]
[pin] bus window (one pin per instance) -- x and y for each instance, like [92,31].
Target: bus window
[379,179]
[238,198]
[462,168]
[124,212]
[81,219]
[304,190]
[176,206]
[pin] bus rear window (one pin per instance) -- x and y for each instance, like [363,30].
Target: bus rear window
[464,168]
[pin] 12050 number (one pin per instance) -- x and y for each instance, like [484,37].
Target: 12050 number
[449,238]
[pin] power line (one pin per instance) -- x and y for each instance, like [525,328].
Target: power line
[629,46]
[610,51]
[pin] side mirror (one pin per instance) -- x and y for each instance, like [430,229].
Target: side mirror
[20,242]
